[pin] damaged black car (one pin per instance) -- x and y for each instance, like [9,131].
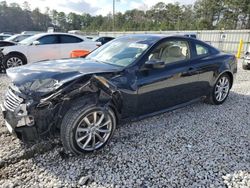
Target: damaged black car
[128,79]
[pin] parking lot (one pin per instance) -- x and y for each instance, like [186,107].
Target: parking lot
[196,146]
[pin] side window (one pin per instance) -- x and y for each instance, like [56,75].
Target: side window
[201,50]
[171,51]
[51,39]
[69,39]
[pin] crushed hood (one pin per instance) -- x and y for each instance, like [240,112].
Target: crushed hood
[59,70]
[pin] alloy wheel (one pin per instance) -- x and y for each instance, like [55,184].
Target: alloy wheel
[93,130]
[14,62]
[222,88]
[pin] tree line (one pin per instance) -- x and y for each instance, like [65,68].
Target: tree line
[203,14]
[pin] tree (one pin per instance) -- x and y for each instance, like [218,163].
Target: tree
[208,13]
[26,6]
[204,14]
[41,21]
[74,21]
[62,21]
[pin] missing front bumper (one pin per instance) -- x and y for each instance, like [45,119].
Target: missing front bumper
[18,128]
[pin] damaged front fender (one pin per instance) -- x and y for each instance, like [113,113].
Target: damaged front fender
[102,90]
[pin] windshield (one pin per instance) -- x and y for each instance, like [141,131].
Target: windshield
[121,52]
[28,40]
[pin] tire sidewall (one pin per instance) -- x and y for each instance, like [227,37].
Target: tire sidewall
[72,129]
[215,101]
[5,60]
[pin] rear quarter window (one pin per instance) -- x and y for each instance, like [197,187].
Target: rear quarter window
[201,50]
[70,39]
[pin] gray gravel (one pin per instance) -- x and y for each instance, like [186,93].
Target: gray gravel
[196,146]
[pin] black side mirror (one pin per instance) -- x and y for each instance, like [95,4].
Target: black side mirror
[155,64]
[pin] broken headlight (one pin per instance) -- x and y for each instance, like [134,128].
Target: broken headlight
[42,86]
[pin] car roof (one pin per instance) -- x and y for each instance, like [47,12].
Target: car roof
[45,34]
[17,35]
[5,35]
[150,38]
[57,33]
[155,36]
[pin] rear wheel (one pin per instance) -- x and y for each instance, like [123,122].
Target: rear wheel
[87,129]
[221,90]
[13,60]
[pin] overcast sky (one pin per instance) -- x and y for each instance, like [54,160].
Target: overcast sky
[95,7]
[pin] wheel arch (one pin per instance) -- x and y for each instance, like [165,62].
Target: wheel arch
[230,74]
[20,54]
[96,98]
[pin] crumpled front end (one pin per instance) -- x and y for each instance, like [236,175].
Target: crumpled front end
[29,119]
[30,116]
[17,119]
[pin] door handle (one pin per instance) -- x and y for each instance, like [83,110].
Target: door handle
[191,71]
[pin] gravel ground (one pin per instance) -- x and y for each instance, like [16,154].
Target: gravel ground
[196,146]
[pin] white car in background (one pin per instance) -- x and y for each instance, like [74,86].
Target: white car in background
[17,37]
[45,46]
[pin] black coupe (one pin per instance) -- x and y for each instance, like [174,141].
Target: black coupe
[129,78]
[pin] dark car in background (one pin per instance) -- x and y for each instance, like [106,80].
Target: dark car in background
[103,40]
[127,79]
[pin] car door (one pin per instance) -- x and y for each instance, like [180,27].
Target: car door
[169,85]
[46,48]
[205,65]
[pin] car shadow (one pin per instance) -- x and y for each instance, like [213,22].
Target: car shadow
[192,146]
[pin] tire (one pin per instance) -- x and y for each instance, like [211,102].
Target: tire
[245,67]
[218,88]
[13,60]
[79,132]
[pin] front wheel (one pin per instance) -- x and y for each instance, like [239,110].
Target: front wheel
[220,90]
[86,129]
[13,60]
